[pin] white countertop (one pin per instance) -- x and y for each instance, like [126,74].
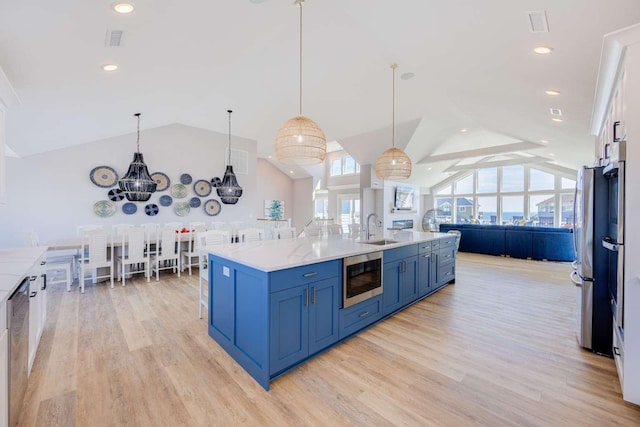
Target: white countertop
[273,255]
[14,266]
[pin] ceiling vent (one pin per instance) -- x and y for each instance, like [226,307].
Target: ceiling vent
[555,111]
[113,38]
[538,21]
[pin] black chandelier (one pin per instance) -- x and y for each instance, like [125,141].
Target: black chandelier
[137,184]
[228,190]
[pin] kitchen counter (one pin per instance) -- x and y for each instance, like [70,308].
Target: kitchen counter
[273,255]
[14,266]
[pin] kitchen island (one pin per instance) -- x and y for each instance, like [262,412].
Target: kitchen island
[274,304]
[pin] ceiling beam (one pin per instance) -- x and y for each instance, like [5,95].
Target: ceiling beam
[479,152]
[496,163]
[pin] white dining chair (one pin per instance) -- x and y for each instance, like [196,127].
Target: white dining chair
[313,231]
[250,234]
[133,252]
[56,264]
[354,230]
[190,252]
[167,254]
[96,251]
[334,229]
[118,229]
[286,232]
[204,239]
[174,225]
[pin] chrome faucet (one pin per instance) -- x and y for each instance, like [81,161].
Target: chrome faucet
[377,220]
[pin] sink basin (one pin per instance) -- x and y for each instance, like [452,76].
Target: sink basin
[379,242]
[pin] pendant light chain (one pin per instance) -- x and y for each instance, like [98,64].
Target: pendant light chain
[138,141]
[229,111]
[300,3]
[393,106]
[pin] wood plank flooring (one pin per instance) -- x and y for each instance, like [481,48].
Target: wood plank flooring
[497,348]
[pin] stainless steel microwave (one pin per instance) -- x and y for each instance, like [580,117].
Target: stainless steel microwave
[362,278]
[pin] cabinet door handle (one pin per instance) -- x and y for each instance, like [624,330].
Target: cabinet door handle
[364,313]
[33,294]
[44,282]
[313,273]
[306,297]
[426,256]
[616,350]
[43,262]
[404,266]
[313,295]
[32,278]
[616,138]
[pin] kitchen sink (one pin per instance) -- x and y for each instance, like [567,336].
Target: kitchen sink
[379,242]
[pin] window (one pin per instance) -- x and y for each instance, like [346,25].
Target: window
[345,165]
[514,194]
[321,207]
[513,178]
[488,180]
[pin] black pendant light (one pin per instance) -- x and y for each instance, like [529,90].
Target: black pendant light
[137,184]
[229,190]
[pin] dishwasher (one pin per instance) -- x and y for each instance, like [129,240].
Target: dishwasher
[18,322]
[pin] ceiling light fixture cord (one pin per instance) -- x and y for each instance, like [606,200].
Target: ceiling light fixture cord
[138,142]
[393,106]
[229,111]
[300,5]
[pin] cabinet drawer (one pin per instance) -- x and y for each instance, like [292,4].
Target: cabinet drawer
[447,242]
[356,317]
[399,253]
[285,279]
[446,255]
[424,247]
[435,245]
[446,274]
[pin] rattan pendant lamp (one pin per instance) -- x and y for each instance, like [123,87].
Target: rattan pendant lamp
[229,190]
[137,184]
[300,141]
[393,164]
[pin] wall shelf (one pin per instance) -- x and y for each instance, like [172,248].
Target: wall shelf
[403,211]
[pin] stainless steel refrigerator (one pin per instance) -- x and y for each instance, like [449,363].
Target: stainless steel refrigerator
[591,267]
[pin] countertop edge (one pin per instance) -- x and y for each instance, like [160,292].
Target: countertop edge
[4,295]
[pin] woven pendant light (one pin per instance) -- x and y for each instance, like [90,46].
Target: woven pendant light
[229,190]
[300,141]
[393,164]
[137,184]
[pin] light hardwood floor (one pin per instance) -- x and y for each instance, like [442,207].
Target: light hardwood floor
[497,348]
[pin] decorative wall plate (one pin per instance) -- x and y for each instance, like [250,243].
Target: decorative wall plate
[186,179]
[195,202]
[166,200]
[182,208]
[212,207]
[104,176]
[129,208]
[162,180]
[202,188]
[178,191]
[215,182]
[104,208]
[151,209]
[116,194]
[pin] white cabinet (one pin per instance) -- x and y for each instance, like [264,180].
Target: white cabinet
[4,378]
[37,307]
[618,101]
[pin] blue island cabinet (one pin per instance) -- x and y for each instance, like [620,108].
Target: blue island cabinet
[270,322]
[400,271]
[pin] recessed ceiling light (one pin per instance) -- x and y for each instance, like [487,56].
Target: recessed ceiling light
[544,141]
[407,76]
[290,171]
[123,7]
[110,67]
[551,154]
[557,120]
[542,50]
[428,169]
[463,130]
[552,92]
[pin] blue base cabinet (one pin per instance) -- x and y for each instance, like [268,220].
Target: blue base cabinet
[400,271]
[270,322]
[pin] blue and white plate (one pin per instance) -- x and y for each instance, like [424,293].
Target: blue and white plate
[202,188]
[182,208]
[178,191]
[116,194]
[104,176]
[129,208]
[186,179]
[212,207]
[162,180]
[151,209]
[194,202]
[166,200]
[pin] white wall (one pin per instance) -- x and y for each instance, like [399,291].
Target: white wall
[302,202]
[52,193]
[273,185]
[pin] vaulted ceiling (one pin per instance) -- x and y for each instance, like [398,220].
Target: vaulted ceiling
[188,62]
